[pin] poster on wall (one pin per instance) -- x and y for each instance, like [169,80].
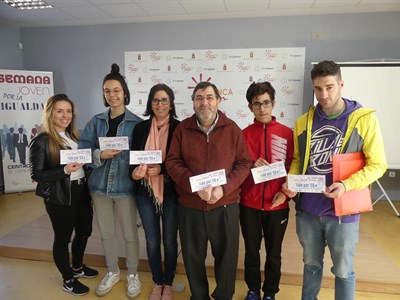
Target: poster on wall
[23,95]
[231,70]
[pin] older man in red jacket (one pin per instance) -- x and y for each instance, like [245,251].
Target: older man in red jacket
[205,142]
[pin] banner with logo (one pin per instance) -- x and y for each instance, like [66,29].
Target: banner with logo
[231,70]
[23,94]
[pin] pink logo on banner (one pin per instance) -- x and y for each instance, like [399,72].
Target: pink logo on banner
[242,67]
[176,91]
[196,82]
[185,68]
[210,55]
[269,78]
[287,91]
[155,79]
[132,68]
[241,114]
[155,57]
[269,54]
[185,113]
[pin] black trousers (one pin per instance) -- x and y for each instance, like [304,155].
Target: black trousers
[272,225]
[220,228]
[65,219]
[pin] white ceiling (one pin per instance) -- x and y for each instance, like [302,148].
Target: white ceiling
[82,12]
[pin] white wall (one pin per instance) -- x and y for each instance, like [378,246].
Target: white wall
[80,56]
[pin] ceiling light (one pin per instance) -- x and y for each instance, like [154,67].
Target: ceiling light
[27,4]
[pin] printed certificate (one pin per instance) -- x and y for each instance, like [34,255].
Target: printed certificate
[145,157]
[266,173]
[202,181]
[81,156]
[307,183]
[114,143]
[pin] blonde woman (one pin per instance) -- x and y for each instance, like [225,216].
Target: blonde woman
[64,190]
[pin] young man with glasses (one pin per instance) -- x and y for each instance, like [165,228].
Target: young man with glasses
[264,209]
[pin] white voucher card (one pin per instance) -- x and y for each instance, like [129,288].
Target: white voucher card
[114,143]
[214,178]
[145,157]
[307,183]
[269,172]
[80,156]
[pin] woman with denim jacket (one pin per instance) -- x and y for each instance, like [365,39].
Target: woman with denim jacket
[110,185]
[154,189]
[64,190]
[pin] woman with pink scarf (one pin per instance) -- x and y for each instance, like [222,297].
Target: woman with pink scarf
[154,191]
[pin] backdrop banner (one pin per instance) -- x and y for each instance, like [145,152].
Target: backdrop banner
[23,94]
[231,70]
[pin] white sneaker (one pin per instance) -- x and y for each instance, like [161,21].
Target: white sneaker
[107,283]
[134,287]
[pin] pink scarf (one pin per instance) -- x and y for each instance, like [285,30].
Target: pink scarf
[157,140]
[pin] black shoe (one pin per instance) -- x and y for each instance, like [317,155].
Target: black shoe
[85,272]
[74,287]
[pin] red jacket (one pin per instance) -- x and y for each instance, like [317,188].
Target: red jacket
[274,142]
[193,153]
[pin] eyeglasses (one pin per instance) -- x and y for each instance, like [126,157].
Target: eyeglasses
[163,101]
[265,104]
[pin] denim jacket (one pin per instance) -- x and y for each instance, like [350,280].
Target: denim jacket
[111,176]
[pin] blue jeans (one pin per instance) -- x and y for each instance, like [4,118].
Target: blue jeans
[151,224]
[314,234]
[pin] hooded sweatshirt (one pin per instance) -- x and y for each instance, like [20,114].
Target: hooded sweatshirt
[317,137]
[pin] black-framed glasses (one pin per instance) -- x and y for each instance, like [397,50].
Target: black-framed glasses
[163,101]
[265,104]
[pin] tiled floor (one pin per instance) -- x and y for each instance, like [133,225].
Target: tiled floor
[23,224]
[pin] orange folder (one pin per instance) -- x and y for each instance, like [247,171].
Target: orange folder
[354,201]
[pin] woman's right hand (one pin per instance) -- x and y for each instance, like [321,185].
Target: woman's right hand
[109,153]
[72,167]
[139,172]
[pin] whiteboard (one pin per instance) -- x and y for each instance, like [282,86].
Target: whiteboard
[377,86]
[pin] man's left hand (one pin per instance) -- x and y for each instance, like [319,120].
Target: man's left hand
[335,190]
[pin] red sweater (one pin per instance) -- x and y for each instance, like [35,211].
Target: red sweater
[193,153]
[273,142]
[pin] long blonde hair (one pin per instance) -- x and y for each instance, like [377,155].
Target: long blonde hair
[56,143]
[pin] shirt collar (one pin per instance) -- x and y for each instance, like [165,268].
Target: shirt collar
[207,131]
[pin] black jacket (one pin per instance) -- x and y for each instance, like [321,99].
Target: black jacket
[139,138]
[53,184]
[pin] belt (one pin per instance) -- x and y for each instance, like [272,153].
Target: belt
[79,181]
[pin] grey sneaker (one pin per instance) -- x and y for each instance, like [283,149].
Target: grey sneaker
[107,283]
[134,287]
